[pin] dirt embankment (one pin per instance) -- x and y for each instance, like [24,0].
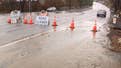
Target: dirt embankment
[115,36]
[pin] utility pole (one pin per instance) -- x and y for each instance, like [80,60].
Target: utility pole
[20,5]
[30,7]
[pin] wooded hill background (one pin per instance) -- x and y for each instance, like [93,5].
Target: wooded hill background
[37,5]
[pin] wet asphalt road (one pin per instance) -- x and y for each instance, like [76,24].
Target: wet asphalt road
[59,47]
[13,32]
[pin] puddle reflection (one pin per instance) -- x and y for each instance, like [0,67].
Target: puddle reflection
[54,28]
[94,34]
[72,29]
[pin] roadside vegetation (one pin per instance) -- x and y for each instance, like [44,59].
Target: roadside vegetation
[37,5]
[115,29]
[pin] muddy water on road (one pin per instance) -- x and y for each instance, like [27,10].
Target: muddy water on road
[64,48]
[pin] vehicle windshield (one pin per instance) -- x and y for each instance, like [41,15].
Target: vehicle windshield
[101,11]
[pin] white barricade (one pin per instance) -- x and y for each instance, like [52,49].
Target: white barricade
[15,16]
[42,20]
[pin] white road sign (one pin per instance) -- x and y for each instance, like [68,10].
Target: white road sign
[42,20]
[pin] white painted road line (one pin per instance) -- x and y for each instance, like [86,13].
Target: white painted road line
[27,38]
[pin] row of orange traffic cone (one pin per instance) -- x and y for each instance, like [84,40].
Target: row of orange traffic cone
[25,21]
[72,25]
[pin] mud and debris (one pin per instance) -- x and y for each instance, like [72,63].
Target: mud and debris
[115,35]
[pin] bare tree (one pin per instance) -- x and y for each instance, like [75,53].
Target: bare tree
[21,5]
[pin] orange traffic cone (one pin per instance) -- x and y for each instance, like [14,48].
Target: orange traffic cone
[31,21]
[72,24]
[95,27]
[25,20]
[9,20]
[54,23]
